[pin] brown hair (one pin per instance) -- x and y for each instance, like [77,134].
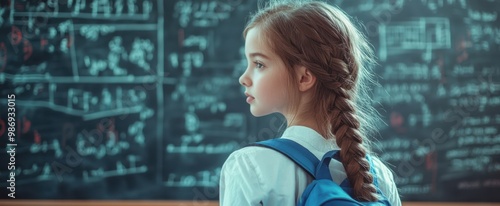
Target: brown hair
[321,38]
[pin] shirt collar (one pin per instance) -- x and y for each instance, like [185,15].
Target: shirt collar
[309,138]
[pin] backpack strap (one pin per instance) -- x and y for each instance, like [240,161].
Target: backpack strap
[372,170]
[294,151]
[346,183]
[306,160]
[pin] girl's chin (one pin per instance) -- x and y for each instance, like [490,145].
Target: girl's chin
[258,113]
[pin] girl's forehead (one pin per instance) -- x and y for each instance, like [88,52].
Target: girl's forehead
[255,42]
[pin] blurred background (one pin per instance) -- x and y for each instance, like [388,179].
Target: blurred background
[140,100]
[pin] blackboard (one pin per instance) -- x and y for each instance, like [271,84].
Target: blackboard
[129,99]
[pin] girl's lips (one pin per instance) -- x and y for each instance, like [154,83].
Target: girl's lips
[250,99]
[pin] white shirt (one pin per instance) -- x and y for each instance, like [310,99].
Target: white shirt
[261,176]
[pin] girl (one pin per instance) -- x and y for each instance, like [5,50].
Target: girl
[308,62]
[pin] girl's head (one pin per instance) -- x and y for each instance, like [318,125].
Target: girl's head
[309,62]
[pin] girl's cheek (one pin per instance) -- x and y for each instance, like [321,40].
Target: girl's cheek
[256,79]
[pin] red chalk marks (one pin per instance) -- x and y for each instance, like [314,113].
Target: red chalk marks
[70,42]
[2,127]
[397,119]
[37,137]
[26,125]
[43,43]
[431,164]
[25,128]
[28,49]
[107,127]
[3,56]
[461,48]
[15,36]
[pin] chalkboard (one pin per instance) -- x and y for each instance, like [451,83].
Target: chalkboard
[130,99]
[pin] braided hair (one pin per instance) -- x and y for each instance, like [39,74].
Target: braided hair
[323,39]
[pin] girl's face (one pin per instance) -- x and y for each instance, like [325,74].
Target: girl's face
[265,78]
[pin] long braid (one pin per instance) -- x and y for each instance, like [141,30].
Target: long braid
[352,151]
[345,127]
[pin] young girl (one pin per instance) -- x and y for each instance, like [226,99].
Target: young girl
[308,62]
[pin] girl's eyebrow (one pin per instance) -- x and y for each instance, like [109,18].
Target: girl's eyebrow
[258,54]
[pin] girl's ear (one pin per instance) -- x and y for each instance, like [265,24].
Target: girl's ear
[306,79]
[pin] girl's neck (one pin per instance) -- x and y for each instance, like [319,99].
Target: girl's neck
[306,116]
[306,122]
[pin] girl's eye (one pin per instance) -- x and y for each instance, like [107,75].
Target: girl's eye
[258,65]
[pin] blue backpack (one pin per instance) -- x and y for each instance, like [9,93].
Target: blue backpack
[322,191]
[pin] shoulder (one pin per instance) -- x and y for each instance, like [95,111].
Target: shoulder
[257,163]
[253,175]
[386,182]
[251,158]
[242,181]
[384,174]
[250,152]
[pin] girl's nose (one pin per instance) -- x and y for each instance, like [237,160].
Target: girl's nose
[244,80]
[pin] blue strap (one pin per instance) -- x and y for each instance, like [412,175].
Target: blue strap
[305,159]
[346,183]
[322,169]
[372,170]
[316,168]
[293,150]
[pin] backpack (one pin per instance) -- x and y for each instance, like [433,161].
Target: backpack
[322,191]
